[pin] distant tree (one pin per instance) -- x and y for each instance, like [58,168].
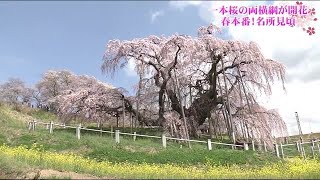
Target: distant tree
[80,96]
[89,99]
[27,95]
[14,92]
[52,84]
[36,95]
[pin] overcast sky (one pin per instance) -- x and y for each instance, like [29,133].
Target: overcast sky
[37,36]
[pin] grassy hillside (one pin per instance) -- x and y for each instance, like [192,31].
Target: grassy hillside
[14,132]
[148,153]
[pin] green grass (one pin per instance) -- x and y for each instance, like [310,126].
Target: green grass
[305,138]
[43,115]
[291,151]
[36,157]
[139,151]
[14,132]
[10,169]
[158,132]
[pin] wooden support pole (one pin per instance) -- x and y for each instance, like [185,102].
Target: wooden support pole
[299,126]
[265,146]
[276,148]
[123,113]
[138,100]
[298,146]
[228,102]
[177,87]
[259,146]
[131,123]
[247,99]
[224,110]
[117,120]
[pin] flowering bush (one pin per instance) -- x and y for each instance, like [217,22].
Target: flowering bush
[293,168]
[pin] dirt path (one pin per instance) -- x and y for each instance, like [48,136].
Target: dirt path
[50,173]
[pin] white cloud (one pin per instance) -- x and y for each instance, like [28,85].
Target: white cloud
[289,45]
[183,4]
[130,68]
[156,14]
[302,98]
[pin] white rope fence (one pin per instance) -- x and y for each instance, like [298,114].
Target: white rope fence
[50,126]
[298,146]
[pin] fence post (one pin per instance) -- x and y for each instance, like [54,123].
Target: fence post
[112,131]
[276,148]
[134,136]
[282,153]
[301,149]
[164,141]
[78,131]
[318,146]
[286,140]
[265,146]
[260,146]
[246,146]
[30,126]
[33,125]
[47,126]
[312,148]
[303,152]
[234,140]
[312,142]
[51,127]
[64,125]
[253,148]
[117,136]
[209,145]
[298,146]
